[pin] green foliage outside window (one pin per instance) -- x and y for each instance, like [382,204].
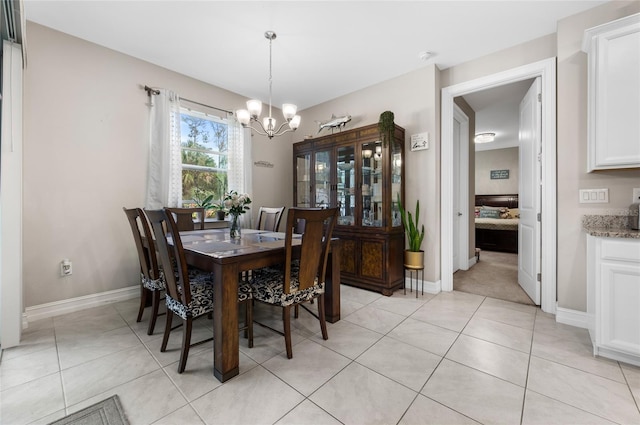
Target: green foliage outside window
[204,158]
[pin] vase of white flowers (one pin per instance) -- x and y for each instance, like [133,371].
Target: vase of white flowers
[236,204]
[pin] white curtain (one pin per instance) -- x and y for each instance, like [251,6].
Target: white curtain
[11,212]
[164,183]
[239,171]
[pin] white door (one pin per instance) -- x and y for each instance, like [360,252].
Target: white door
[455,238]
[529,192]
[460,234]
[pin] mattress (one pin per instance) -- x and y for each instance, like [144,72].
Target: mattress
[497,223]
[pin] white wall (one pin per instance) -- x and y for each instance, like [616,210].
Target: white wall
[85,156]
[497,159]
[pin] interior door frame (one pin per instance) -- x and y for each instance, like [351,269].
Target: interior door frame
[546,70]
[463,186]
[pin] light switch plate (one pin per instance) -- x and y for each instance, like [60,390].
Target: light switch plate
[594,196]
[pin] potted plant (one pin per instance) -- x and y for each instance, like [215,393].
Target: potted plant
[219,209]
[204,200]
[386,127]
[414,256]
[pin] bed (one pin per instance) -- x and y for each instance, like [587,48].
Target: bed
[496,222]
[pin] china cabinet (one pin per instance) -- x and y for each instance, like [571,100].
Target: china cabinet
[613,297]
[354,171]
[613,94]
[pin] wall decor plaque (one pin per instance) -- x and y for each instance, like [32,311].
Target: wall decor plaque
[499,174]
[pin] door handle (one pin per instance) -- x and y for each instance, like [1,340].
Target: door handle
[459,214]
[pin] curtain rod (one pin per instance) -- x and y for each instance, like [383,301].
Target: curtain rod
[151,91]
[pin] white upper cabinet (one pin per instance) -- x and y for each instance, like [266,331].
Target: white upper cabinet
[614,94]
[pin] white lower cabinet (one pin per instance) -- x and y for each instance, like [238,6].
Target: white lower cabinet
[613,297]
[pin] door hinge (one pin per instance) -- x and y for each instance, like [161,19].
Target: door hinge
[539,97]
[539,277]
[539,217]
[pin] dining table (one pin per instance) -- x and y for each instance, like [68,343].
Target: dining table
[214,250]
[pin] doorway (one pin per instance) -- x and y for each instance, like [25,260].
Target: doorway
[495,182]
[546,71]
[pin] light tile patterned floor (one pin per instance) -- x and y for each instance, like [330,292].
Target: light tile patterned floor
[453,358]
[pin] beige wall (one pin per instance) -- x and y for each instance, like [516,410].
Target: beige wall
[85,152]
[572,153]
[85,156]
[497,159]
[414,99]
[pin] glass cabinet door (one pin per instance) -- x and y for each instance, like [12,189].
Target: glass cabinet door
[346,185]
[396,183]
[322,182]
[372,184]
[303,180]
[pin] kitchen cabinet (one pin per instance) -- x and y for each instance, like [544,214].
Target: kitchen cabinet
[613,94]
[354,171]
[613,297]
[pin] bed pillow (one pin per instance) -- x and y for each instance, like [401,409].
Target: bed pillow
[485,213]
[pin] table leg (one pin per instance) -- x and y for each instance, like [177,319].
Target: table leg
[332,285]
[226,349]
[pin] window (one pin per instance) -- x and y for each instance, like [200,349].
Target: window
[205,156]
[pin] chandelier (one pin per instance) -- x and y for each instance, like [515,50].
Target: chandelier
[268,124]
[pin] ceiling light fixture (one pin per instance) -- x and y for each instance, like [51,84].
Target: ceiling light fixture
[268,124]
[484,137]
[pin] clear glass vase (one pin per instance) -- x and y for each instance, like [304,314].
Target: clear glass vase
[234,230]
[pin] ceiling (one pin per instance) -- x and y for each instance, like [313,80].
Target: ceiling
[497,111]
[323,50]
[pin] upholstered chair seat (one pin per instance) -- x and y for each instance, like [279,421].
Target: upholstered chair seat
[301,278]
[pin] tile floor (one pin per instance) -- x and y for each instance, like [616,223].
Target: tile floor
[453,358]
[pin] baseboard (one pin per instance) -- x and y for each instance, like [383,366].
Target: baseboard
[70,305]
[429,287]
[472,262]
[572,317]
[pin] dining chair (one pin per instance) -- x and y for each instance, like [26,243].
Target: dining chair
[302,276]
[189,292]
[151,274]
[184,218]
[269,218]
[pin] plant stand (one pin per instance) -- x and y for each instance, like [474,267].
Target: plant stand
[411,271]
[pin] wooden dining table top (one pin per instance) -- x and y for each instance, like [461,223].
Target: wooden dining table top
[217,243]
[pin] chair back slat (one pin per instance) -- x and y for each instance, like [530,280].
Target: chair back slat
[184,218]
[269,218]
[144,242]
[161,219]
[315,244]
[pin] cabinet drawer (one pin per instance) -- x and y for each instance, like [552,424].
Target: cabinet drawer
[620,250]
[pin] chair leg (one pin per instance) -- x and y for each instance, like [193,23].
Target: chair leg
[155,301]
[167,331]
[296,311]
[186,343]
[286,320]
[143,301]
[323,323]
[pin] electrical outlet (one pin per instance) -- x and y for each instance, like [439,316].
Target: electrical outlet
[636,195]
[66,268]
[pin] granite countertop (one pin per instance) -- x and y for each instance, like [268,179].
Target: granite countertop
[609,226]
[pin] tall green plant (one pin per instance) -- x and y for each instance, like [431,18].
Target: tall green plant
[410,227]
